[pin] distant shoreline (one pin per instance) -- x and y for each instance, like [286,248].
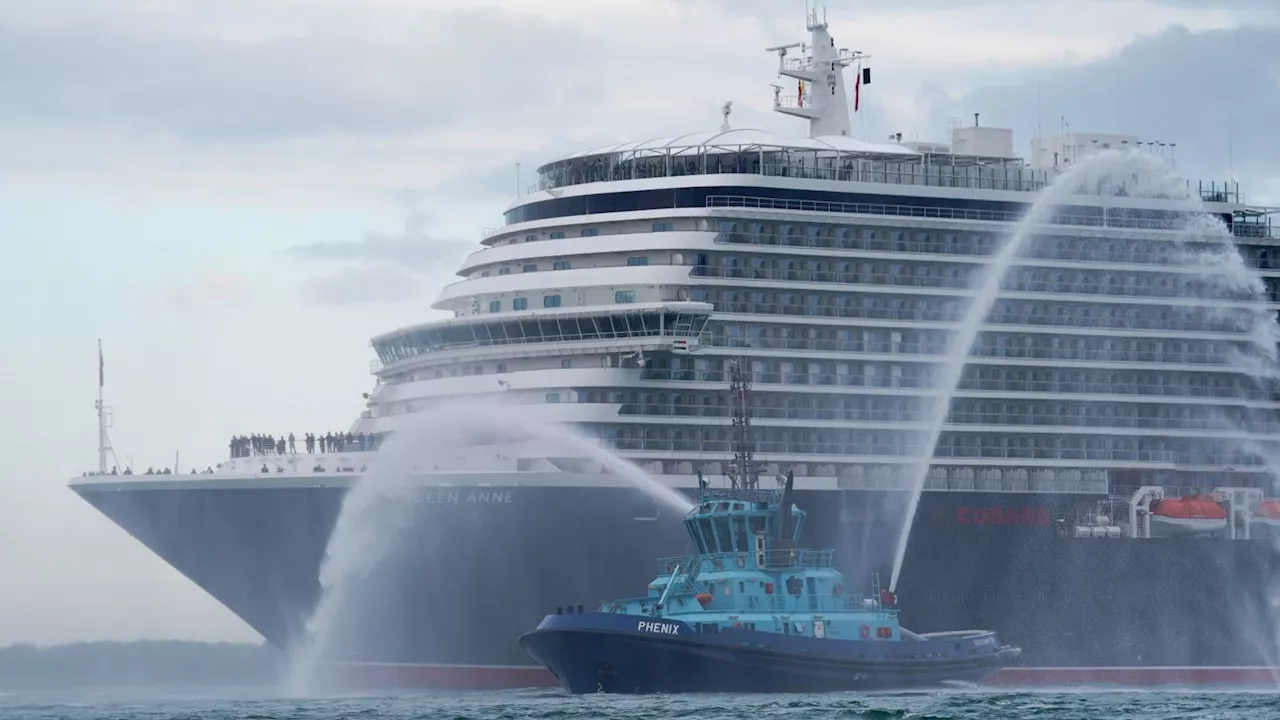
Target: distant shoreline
[139,663]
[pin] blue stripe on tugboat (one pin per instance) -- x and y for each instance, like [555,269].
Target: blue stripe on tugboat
[751,612]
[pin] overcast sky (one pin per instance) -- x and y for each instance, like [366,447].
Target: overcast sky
[236,196]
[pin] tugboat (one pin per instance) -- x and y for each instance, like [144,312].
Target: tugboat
[751,611]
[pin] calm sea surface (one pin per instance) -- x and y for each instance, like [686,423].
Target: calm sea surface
[125,704]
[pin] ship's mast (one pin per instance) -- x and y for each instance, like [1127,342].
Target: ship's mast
[743,473]
[819,74]
[104,444]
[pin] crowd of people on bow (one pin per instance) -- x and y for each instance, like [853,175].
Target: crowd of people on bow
[248,445]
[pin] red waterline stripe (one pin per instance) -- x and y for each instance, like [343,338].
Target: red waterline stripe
[1222,675]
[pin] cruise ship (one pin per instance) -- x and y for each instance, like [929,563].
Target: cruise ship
[1098,495]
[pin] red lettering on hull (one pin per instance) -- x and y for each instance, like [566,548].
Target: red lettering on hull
[1002,516]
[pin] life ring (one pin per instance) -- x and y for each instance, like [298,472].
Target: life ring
[865,632]
[742,563]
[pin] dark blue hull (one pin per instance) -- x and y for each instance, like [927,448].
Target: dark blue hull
[468,575]
[610,653]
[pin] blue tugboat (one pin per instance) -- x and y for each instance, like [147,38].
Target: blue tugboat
[753,612]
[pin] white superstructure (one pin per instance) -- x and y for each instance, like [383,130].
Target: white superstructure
[620,288]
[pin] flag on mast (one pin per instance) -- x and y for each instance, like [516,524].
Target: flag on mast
[857,90]
[800,93]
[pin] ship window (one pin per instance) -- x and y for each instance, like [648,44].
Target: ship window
[495,306]
[531,267]
[520,304]
[561,265]
[553,397]
[724,535]
[551,301]
[557,235]
[706,539]
[624,296]
[504,271]
[637,261]
[664,227]
[590,232]
[530,238]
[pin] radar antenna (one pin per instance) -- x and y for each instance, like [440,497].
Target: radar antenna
[743,473]
[819,75]
[725,110]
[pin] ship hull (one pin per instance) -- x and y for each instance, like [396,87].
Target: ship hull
[611,653]
[470,570]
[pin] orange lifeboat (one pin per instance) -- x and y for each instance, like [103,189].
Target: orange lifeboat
[704,599]
[1265,519]
[1269,509]
[1194,507]
[1190,515]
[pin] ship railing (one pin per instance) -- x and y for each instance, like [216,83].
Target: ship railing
[844,451]
[962,285]
[1177,220]
[773,560]
[934,170]
[945,310]
[1057,414]
[1047,246]
[778,602]
[711,495]
[988,346]
[968,383]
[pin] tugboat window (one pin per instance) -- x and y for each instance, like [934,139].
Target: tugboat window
[724,535]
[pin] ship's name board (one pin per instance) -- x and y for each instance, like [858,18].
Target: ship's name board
[1002,516]
[657,627]
[464,497]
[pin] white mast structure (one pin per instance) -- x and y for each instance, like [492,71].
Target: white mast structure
[825,104]
[104,419]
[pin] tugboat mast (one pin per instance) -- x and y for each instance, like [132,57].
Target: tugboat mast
[743,473]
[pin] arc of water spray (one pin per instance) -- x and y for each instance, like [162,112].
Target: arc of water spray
[377,508]
[1089,172]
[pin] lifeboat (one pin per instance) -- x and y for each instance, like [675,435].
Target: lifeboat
[1264,520]
[1191,515]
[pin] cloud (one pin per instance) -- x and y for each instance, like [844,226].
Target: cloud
[346,73]
[1215,93]
[413,249]
[379,267]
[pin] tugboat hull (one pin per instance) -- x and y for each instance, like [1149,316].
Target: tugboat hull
[629,654]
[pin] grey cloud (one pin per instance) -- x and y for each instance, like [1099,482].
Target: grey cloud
[352,74]
[380,267]
[1215,93]
[772,9]
[413,249]
[362,285]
